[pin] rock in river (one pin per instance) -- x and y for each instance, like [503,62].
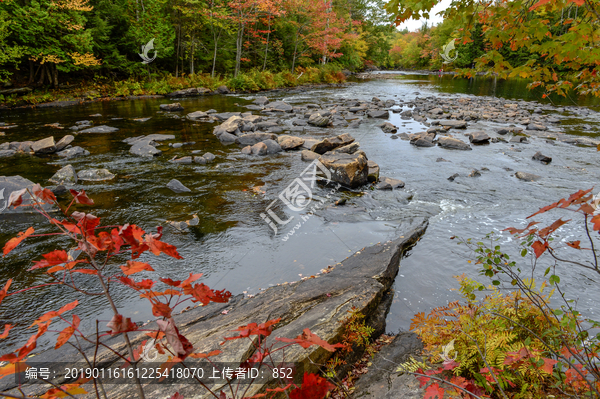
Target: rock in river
[318,120]
[10,184]
[350,170]
[73,152]
[95,175]
[260,149]
[194,116]
[387,183]
[309,156]
[100,129]
[373,171]
[479,137]
[329,144]
[64,142]
[44,146]
[388,127]
[280,106]
[171,107]
[542,158]
[272,146]
[527,176]
[66,175]
[176,186]
[290,142]
[253,138]
[452,143]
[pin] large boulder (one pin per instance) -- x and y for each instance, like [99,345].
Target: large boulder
[145,145]
[387,183]
[350,170]
[348,149]
[264,125]
[253,138]
[223,116]
[223,90]
[100,129]
[452,143]
[329,144]
[387,127]
[262,101]
[318,120]
[9,184]
[44,146]
[7,153]
[65,176]
[95,175]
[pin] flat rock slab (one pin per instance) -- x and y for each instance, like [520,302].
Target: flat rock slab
[44,146]
[279,106]
[177,187]
[382,381]
[387,183]
[332,143]
[73,152]
[320,304]
[253,138]
[378,114]
[223,116]
[100,129]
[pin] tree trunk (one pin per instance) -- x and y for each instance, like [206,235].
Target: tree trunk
[55,76]
[192,57]
[43,75]
[267,48]
[295,51]
[238,54]
[215,53]
[31,76]
[178,48]
[49,75]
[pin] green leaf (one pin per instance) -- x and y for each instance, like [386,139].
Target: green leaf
[524,252]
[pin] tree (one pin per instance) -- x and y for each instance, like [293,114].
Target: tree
[53,35]
[9,54]
[559,35]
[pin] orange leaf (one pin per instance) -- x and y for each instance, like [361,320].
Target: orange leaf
[574,244]
[548,365]
[50,315]
[157,247]
[4,290]
[65,334]
[434,391]
[135,267]
[118,324]
[307,339]
[13,242]
[53,258]
[7,328]
[161,309]
[205,355]
[539,248]
[81,197]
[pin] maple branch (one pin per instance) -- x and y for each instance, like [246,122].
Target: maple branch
[444,382]
[6,395]
[587,230]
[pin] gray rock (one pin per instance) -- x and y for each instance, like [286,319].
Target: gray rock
[194,116]
[23,146]
[230,125]
[452,143]
[264,125]
[441,160]
[309,142]
[142,119]
[177,187]
[145,145]
[527,176]
[66,175]
[422,142]
[536,126]
[253,138]
[95,175]
[290,142]
[262,101]
[44,146]
[453,124]
[209,156]
[59,190]
[479,137]
[309,156]
[280,106]
[100,129]
[387,183]
[454,176]
[173,107]
[223,116]
[518,139]
[223,90]
[10,184]
[475,173]
[260,149]
[7,153]
[272,147]
[318,120]
[387,127]
[200,160]
[373,175]
[73,152]
[64,142]
[227,137]
[350,170]
[542,158]
[378,114]
[329,144]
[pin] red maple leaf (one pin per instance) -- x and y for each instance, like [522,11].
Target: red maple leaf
[313,387]
[307,339]
[434,391]
[53,258]
[119,324]
[264,329]
[539,248]
[81,197]
[13,242]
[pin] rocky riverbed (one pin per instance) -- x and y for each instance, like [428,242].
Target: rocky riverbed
[209,168]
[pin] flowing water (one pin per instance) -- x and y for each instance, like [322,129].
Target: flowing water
[237,250]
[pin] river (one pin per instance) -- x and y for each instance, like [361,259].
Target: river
[233,246]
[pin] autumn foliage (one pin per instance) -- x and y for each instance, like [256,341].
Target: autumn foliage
[98,248]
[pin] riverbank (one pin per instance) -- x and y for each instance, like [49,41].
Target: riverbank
[170,86]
